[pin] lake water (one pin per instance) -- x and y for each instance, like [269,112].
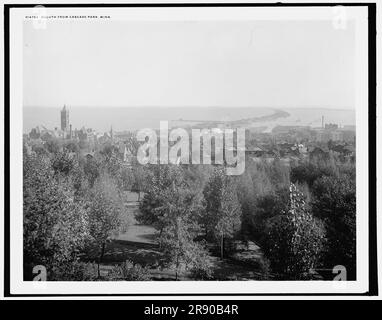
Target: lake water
[132,118]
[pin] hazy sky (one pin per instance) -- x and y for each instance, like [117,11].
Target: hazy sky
[115,63]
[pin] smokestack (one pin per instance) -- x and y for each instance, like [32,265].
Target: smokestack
[70,132]
[322,122]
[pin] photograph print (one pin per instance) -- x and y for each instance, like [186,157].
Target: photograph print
[215,149]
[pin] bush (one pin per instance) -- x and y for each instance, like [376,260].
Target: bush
[129,271]
[74,271]
[200,265]
[201,272]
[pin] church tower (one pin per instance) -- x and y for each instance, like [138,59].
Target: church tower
[64,119]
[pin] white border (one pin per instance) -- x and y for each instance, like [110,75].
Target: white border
[138,14]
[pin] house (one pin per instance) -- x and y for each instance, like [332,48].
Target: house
[254,151]
[35,133]
[89,155]
[318,152]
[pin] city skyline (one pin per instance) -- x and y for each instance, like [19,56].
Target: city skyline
[136,118]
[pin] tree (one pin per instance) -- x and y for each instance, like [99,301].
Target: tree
[309,172]
[247,199]
[52,146]
[162,178]
[63,163]
[335,203]
[40,149]
[179,216]
[91,170]
[295,239]
[133,178]
[174,208]
[267,206]
[223,211]
[54,223]
[263,192]
[72,146]
[104,208]
[67,167]
[108,150]
[140,179]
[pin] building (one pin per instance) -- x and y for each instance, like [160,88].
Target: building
[254,151]
[64,119]
[35,133]
[318,152]
[40,132]
[331,126]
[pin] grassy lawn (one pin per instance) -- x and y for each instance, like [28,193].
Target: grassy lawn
[138,244]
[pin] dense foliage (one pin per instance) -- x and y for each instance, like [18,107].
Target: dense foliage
[301,215]
[54,223]
[335,203]
[295,239]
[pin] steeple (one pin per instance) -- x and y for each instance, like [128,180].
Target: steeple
[64,119]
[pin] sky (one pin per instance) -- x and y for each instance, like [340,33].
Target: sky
[198,63]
